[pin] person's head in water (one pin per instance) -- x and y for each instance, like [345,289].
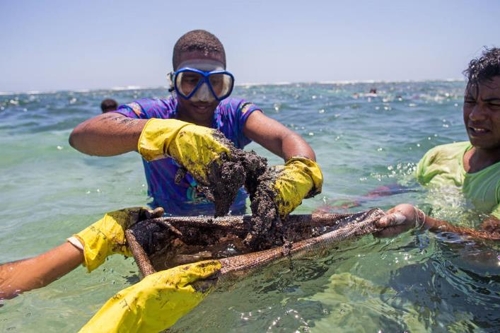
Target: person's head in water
[108,105]
[481,109]
[199,77]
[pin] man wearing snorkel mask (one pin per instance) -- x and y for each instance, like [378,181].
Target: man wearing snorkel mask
[179,132]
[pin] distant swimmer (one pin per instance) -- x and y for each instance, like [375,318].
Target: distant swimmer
[372,93]
[108,104]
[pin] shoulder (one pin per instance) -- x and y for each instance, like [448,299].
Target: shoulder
[442,164]
[149,108]
[449,150]
[237,104]
[152,103]
[237,108]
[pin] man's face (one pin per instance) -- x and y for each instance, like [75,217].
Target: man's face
[482,114]
[201,106]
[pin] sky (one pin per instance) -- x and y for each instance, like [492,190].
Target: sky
[78,45]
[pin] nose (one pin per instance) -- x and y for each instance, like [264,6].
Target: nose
[478,112]
[204,94]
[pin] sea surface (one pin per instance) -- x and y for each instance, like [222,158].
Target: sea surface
[415,282]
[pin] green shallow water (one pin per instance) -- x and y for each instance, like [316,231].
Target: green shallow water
[414,282]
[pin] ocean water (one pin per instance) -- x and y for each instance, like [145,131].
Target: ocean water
[415,282]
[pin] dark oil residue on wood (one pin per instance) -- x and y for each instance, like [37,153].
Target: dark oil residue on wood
[170,241]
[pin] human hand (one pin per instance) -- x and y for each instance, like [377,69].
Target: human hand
[107,236]
[157,301]
[400,219]
[298,179]
[194,147]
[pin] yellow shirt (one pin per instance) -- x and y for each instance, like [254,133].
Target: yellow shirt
[443,166]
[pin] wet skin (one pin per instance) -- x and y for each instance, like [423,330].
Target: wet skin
[481,114]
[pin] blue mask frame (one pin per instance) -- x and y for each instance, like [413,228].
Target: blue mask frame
[205,79]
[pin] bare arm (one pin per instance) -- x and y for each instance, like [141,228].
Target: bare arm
[405,216]
[276,138]
[23,275]
[483,233]
[107,134]
[99,240]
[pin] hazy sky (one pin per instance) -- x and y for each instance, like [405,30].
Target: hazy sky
[67,45]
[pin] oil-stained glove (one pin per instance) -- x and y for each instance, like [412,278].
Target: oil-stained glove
[107,236]
[298,179]
[194,147]
[157,301]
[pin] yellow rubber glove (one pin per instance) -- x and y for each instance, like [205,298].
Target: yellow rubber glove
[107,236]
[298,179]
[194,147]
[156,302]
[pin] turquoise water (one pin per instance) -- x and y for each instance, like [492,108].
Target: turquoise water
[413,282]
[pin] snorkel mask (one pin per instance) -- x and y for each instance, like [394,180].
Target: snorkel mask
[197,85]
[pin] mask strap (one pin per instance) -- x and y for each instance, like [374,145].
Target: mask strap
[170,81]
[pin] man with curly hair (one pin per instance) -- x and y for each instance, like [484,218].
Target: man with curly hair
[471,166]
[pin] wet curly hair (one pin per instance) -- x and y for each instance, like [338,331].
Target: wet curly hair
[485,67]
[198,40]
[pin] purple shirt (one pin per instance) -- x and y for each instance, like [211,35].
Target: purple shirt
[183,199]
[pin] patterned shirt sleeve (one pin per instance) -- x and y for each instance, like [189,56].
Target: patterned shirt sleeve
[148,108]
[230,119]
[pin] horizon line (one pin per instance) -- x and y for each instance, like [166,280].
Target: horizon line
[249,84]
